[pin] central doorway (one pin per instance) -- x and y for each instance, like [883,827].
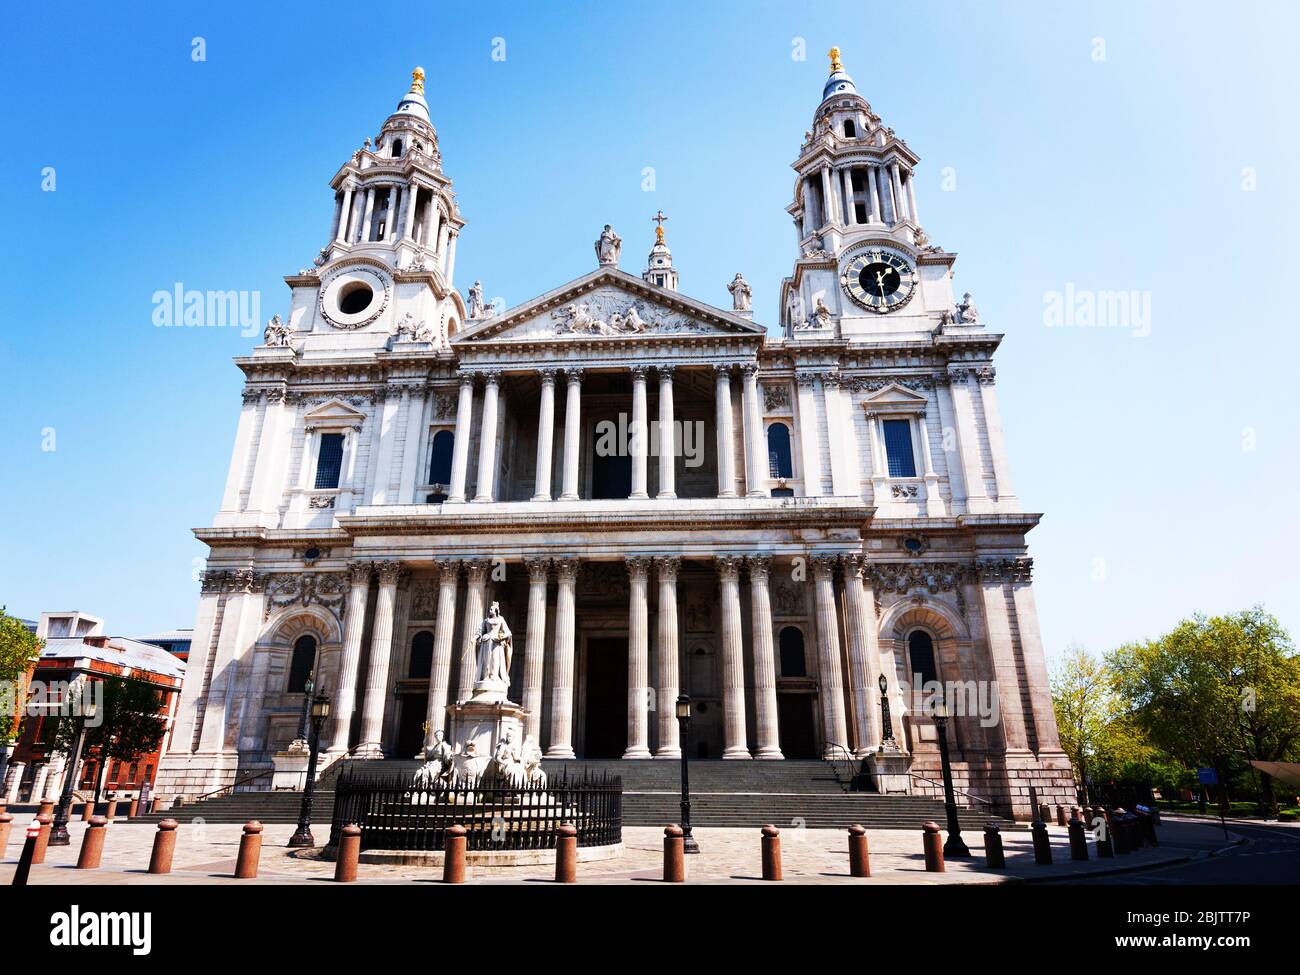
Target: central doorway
[797,731]
[410,726]
[605,702]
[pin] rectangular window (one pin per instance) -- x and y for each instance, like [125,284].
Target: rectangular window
[898,448]
[329,462]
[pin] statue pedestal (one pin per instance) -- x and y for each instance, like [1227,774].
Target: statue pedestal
[889,770]
[290,770]
[476,725]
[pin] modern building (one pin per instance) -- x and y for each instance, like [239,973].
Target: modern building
[663,496]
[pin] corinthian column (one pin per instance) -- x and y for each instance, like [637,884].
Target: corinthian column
[864,656]
[669,682]
[640,433]
[561,744]
[381,649]
[733,661]
[460,445]
[545,437]
[444,629]
[476,571]
[754,473]
[345,701]
[765,715]
[638,660]
[535,646]
[667,440]
[572,431]
[487,439]
[830,683]
[726,433]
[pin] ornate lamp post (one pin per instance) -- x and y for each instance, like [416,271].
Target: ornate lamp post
[886,722]
[320,710]
[299,743]
[684,722]
[59,831]
[955,846]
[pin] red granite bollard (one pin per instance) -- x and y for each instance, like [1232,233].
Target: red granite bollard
[932,843]
[87,810]
[1045,812]
[111,811]
[47,808]
[1042,845]
[995,858]
[43,840]
[29,852]
[771,852]
[133,809]
[1078,840]
[566,855]
[1060,815]
[859,859]
[453,861]
[92,844]
[674,855]
[250,851]
[6,824]
[347,854]
[164,845]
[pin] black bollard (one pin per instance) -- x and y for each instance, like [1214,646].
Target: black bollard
[994,856]
[1042,845]
[1078,840]
[29,850]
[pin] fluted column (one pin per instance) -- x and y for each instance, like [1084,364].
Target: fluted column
[444,631]
[726,432]
[381,650]
[667,439]
[572,431]
[345,214]
[487,439]
[640,433]
[476,574]
[345,700]
[864,657]
[873,184]
[561,743]
[545,437]
[638,660]
[669,679]
[766,726]
[733,660]
[39,783]
[830,682]
[535,646]
[753,415]
[850,213]
[15,782]
[460,445]
[363,233]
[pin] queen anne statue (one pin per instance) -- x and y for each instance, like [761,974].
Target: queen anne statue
[494,651]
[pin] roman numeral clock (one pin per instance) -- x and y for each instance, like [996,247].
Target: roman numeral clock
[879,279]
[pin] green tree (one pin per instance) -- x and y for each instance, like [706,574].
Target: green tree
[1215,692]
[130,727]
[18,648]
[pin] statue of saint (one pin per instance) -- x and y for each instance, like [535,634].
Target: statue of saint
[476,302]
[495,648]
[276,333]
[741,293]
[967,313]
[608,246]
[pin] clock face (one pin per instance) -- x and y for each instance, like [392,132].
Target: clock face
[879,279]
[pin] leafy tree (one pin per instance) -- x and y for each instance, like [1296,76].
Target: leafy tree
[1216,691]
[130,727]
[18,648]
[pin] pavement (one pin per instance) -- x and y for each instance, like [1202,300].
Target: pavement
[205,854]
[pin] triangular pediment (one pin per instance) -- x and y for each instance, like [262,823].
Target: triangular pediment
[607,303]
[896,396]
[333,412]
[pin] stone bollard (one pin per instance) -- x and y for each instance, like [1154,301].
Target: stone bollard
[771,850]
[47,808]
[453,861]
[1045,813]
[994,856]
[1078,840]
[250,851]
[566,855]
[674,855]
[43,840]
[92,844]
[1119,835]
[164,845]
[1060,815]
[6,824]
[87,810]
[859,860]
[1042,845]
[111,811]
[1105,846]
[347,854]
[29,852]
[932,843]
[133,809]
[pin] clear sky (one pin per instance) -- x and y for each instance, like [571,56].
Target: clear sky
[1104,148]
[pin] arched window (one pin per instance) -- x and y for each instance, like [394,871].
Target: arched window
[397,148]
[920,653]
[440,464]
[850,130]
[779,460]
[421,663]
[301,664]
[792,657]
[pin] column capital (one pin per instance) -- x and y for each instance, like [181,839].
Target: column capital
[566,569]
[446,568]
[573,375]
[361,571]
[667,566]
[547,375]
[389,572]
[467,379]
[759,566]
[665,372]
[639,371]
[539,568]
[750,369]
[729,566]
[824,563]
[491,377]
[477,569]
[722,370]
[637,565]
[855,565]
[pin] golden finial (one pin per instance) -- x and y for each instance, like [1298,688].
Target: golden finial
[834,55]
[659,235]
[659,219]
[417,81]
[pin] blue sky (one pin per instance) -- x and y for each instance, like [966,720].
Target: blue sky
[1112,147]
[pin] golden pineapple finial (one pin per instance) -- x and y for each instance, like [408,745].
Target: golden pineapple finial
[417,81]
[834,55]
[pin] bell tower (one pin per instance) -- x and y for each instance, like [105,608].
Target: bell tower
[659,268]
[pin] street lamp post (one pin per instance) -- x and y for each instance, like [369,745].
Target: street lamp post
[320,710]
[59,831]
[886,722]
[689,845]
[955,846]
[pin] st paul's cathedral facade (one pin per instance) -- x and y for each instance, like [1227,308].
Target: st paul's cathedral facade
[803,527]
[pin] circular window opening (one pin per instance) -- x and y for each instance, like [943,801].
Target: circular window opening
[355,298]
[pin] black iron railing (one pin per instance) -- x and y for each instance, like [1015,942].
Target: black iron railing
[394,814]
